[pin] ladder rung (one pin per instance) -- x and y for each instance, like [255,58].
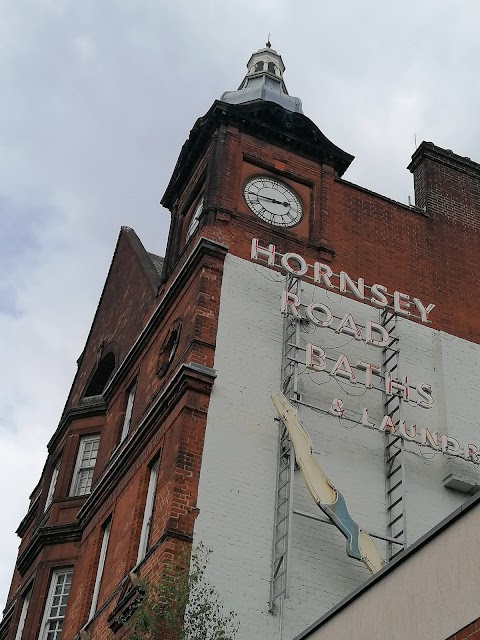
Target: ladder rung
[395,520]
[394,504]
[280,593]
[389,475]
[279,575]
[390,357]
[278,540]
[394,555]
[394,487]
[389,470]
[394,455]
[390,400]
[387,317]
[398,535]
[390,444]
[282,520]
[279,564]
[389,325]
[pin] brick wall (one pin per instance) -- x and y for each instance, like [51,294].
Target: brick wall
[177,435]
[470,632]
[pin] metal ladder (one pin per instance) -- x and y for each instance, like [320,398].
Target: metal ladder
[280,578]
[394,445]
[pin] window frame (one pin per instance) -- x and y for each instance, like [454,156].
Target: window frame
[53,484]
[132,390]
[143,544]
[26,597]
[106,528]
[47,617]
[79,468]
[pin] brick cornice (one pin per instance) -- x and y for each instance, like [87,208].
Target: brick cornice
[188,376]
[88,407]
[430,151]
[46,536]
[29,517]
[265,120]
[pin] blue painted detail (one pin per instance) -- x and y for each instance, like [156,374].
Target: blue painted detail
[338,513]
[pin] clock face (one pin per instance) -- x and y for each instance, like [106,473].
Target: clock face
[195,221]
[273,202]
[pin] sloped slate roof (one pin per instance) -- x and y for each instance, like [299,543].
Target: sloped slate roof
[157,262]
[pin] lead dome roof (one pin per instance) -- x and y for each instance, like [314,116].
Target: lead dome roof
[264,81]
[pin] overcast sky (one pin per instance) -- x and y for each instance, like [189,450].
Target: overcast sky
[96,99]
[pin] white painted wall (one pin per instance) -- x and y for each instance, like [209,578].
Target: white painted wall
[237,484]
[424,598]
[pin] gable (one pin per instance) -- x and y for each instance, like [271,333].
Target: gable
[127,301]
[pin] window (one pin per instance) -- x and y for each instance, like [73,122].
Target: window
[23,614]
[147,516]
[195,219]
[128,411]
[56,605]
[101,564]
[169,348]
[83,473]
[53,484]
[101,376]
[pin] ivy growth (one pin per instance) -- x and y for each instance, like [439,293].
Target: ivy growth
[183,605]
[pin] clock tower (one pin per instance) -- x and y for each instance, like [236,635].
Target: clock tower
[327,296]
[254,164]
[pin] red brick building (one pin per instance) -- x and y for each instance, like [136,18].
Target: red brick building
[122,490]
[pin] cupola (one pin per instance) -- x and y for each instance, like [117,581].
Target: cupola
[264,81]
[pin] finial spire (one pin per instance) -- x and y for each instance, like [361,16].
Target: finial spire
[264,81]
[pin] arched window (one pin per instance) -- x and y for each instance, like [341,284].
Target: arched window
[259,66]
[101,376]
[271,67]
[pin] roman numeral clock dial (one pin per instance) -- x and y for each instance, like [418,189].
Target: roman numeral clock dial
[273,202]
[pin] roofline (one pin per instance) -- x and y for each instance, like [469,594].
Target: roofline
[248,117]
[149,269]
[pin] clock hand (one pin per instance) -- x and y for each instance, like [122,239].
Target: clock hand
[285,204]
